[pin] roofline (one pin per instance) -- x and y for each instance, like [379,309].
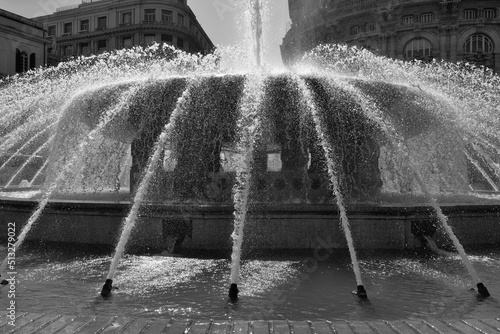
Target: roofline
[21,19]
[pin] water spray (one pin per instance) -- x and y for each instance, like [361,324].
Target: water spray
[256,23]
[397,143]
[130,221]
[249,124]
[332,173]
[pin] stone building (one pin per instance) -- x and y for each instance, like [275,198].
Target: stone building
[22,44]
[452,30]
[95,26]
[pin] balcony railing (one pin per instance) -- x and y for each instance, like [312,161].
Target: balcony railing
[61,9]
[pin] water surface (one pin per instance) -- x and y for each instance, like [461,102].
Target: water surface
[401,285]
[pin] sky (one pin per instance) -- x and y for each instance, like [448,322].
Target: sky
[221,19]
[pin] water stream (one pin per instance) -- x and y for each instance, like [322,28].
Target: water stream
[73,162]
[333,171]
[249,128]
[130,221]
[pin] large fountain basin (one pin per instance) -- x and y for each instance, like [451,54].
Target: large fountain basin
[90,220]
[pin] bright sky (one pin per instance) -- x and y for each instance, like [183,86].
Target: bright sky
[221,19]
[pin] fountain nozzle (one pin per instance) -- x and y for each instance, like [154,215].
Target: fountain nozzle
[482,290]
[233,292]
[361,292]
[106,289]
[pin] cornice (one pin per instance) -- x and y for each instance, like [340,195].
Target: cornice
[21,34]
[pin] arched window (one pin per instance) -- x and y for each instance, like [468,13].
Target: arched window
[478,49]
[478,43]
[21,61]
[418,48]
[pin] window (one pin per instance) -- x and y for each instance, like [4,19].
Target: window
[149,39]
[180,43]
[418,48]
[85,48]
[68,50]
[167,39]
[150,15]
[21,61]
[68,28]
[127,18]
[84,25]
[51,31]
[408,20]
[167,16]
[101,22]
[355,30]
[370,26]
[102,45]
[32,61]
[470,14]
[426,18]
[180,19]
[490,13]
[478,43]
[127,41]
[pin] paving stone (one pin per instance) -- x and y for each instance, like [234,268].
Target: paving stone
[158,326]
[319,327]
[35,325]
[97,324]
[342,327]
[493,323]
[135,326]
[421,327]
[116,325]
[260,327]
[360,327]
[56,325]
[240,327]
[302,327]
[51,324]
[380,327]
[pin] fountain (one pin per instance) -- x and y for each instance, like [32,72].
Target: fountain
[348,147]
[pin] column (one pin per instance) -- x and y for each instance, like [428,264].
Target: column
[443,36]
[384,45]
[393,50]
[453,43]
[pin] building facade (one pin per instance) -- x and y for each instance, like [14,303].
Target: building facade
[451,30]
[96,26]
[22,44]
